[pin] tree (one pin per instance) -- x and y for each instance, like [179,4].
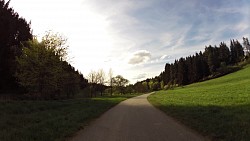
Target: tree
[110,81]
[43,73]
[92,80]
[100,76]
[197,71]
[246,45]
[38,69]
[224,53]
[69,80]
[13,31]
[83,81]
[145,86]
[56,43]
[182,72]
[129,89]
[191,72]
[167,74]
[211,54]
[120,83]
[204,68]
[233,53]
[173,73]
[96,80]
[237,52]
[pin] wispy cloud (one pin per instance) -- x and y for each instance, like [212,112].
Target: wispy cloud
[163,57]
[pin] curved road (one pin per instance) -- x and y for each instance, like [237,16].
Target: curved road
[136,119]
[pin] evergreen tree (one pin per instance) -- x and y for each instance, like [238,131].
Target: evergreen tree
[236,52]
[233,52]
[13,31]
[224,53]
[167,75]
[173,73]
[239,51]
[212,58]
[196,73]
[190,69]
[203,66]
[182,72]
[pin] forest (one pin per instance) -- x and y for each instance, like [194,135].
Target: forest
[212,63]
[40,69]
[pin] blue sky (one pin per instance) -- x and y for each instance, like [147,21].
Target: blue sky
[136,37]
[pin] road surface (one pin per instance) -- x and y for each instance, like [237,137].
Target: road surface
[136,119]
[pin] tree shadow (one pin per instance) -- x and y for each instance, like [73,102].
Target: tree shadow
[217,122]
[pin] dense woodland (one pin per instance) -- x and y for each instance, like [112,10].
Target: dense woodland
[41,70]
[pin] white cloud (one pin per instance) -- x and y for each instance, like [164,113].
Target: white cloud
[139,57]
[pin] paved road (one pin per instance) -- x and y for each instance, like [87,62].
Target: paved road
[136,119]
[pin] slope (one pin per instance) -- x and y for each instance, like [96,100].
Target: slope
[218,108]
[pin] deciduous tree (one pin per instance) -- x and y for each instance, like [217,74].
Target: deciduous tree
[120,82]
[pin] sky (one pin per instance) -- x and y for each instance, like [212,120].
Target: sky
[136,38]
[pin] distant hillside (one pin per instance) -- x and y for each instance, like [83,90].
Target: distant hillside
[218,108]
[214,62]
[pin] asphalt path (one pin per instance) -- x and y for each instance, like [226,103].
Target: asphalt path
[135,119]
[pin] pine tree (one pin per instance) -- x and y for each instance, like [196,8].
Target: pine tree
[13,31]
[197,74]
[239,51]
[204,68]
[167,75]
[233,52]
[212,58]
[224,53]
[182,72]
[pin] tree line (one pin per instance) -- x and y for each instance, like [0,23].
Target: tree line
[215,61]
[39,69]
[100,83]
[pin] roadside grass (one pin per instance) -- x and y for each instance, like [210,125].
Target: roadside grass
[218,108]
[50,120]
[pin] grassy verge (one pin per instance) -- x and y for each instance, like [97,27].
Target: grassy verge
[218,108]
[50,120]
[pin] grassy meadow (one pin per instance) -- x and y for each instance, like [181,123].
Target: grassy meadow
[50,120]
[218,108]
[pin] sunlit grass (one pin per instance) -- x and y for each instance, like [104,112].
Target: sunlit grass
[219,108]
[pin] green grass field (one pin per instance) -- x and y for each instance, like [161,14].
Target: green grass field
[50,120]
[218,108]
